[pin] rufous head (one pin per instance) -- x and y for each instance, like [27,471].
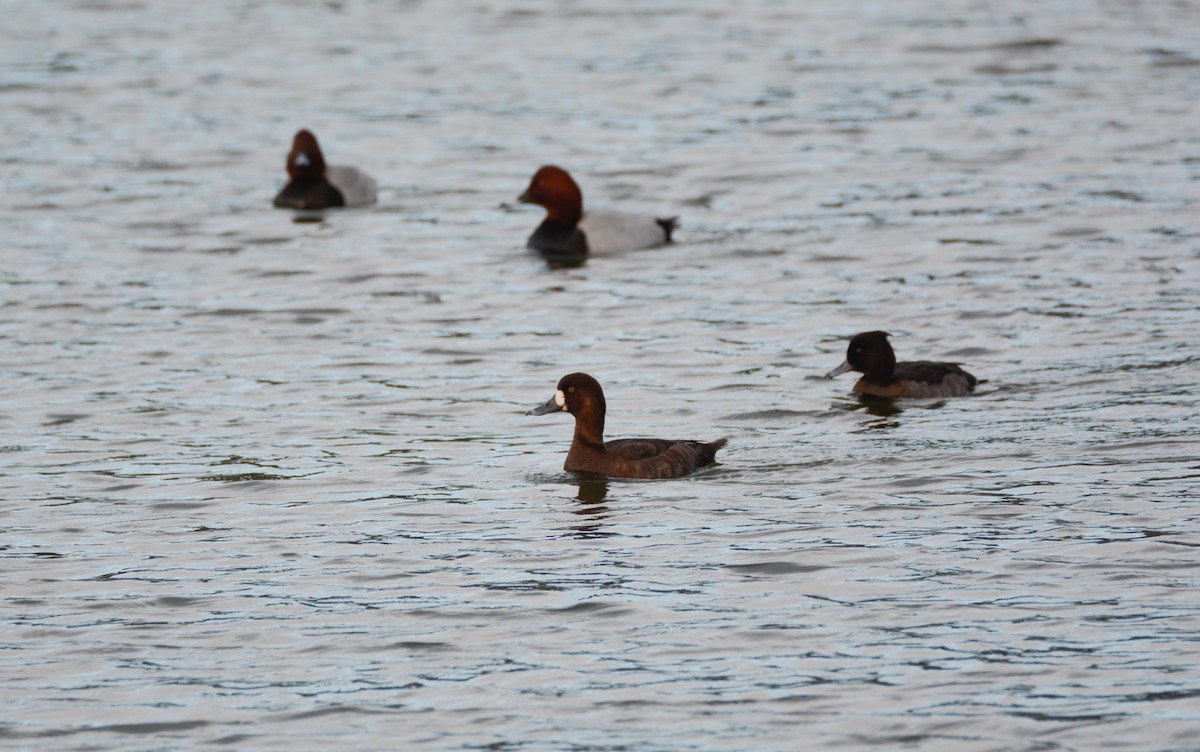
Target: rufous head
[305,159]
[554,189]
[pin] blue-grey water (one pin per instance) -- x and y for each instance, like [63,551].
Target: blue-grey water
[267,484]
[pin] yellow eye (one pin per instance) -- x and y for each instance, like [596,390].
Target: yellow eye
[571,389]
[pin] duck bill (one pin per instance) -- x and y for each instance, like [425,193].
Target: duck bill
[843,368]
[525,198]
[549,406]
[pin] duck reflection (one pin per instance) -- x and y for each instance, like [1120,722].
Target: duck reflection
[880,408]
[883,409]
[592,490]
[563,260]
[308,217]
[591,495]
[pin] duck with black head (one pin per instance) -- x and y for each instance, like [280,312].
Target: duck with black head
[580,395]
[569,230]
[315,185]
[871,354]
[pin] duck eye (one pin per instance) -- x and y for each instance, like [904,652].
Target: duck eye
[571,389]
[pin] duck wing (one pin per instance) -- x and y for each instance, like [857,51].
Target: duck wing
[660,458]
[938,379]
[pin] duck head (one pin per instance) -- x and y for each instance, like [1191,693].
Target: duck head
[578,394]
[871,354]
[551,187]
[305,159]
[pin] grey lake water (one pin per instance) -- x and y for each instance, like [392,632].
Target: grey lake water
[266,481]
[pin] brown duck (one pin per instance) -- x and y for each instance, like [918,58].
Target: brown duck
[580,395]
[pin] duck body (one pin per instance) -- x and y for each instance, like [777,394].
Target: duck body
[315,185]
[568,229]
[556,237]
[309,193]
[872,355]
[920,378]
[607,231]
[581,395]
[641,458]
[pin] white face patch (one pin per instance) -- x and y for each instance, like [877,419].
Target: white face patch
[560,399]
[302,160]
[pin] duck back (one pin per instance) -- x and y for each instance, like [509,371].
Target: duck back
[356,186]
[607,231]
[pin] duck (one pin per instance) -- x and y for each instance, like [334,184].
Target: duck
[569,230]
[315,185]
[871,354]
[580,395]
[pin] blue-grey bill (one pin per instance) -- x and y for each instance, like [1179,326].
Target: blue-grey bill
[549,406]
[845,366]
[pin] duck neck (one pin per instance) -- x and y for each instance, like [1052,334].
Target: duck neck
[882,368]
[567,215]
[589,429]
[566,205]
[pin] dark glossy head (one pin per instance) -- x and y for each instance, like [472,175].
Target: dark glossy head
[305,159]
[554,189]
[578,394]
[871,354]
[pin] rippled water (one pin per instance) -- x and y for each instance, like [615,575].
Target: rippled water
[267,484]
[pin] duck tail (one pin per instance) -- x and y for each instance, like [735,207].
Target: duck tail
[669,224]
[711,448]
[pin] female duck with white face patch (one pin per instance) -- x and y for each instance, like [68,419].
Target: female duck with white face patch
[315,185]
[569,230]
[581,396]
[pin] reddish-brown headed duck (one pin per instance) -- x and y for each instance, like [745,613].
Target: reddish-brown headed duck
[315,185]
[569,230]
[872,355]
[581,396]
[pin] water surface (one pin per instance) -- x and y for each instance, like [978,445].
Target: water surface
[267,484]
